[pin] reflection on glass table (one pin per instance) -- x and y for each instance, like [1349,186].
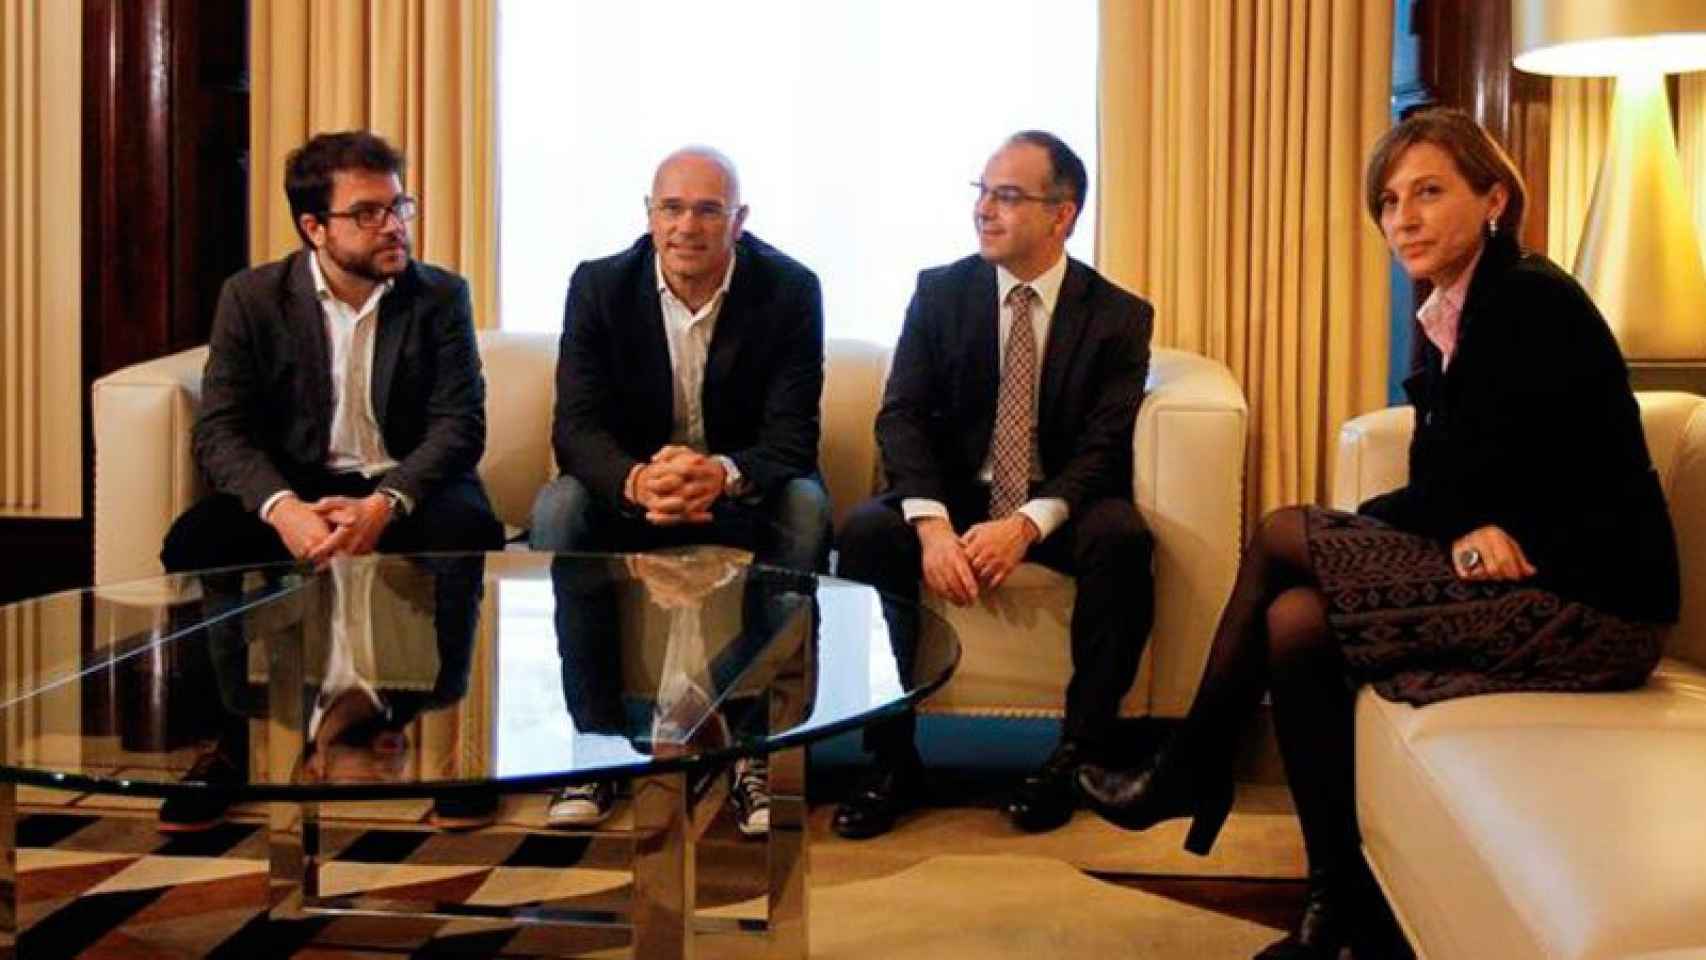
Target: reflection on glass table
[457,678]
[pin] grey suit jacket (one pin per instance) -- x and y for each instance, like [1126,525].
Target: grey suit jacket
[266,412]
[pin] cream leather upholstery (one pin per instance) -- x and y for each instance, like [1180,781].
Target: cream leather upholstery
[1189,447]
[1547,825]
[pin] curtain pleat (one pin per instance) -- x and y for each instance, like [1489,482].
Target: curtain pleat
[1580,125]
[1233,134]
[1691,142]
[41,395]
[417,72]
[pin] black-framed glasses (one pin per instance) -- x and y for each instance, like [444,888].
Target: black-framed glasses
[707,210]
[369,216]
[1010,197]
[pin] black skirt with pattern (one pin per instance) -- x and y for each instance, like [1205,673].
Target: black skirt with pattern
[1419,634]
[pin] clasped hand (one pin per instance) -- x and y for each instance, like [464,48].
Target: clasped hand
[957,568]
[678,486]
[331,526]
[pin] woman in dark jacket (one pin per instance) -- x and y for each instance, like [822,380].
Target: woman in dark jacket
[1531,549]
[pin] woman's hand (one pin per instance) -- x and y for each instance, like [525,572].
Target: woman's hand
[1489,554]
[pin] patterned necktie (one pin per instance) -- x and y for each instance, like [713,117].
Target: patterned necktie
[358,399]
[1015,411]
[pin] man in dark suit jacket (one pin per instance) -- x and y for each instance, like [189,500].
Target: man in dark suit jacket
[343,407]
[688,384]
[1008,417]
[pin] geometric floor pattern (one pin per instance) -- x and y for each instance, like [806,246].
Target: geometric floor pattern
[953,882]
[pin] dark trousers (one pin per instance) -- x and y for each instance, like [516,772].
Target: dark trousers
[1104,546]
[219,531]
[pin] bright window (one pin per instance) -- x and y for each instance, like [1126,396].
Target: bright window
[856,126]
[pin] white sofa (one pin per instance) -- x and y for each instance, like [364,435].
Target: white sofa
[1189,447]
[1568,826]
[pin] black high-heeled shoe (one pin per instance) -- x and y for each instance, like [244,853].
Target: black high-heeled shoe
[1139,799]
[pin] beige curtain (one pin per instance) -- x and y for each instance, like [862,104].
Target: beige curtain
[419,73]
[1233,137]
[1580,126]
[41,259]
[1691,142]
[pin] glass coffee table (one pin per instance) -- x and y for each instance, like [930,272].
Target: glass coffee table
[457,677]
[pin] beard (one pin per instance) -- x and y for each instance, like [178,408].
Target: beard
[372,265]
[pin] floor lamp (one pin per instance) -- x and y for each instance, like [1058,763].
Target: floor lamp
[1640,255]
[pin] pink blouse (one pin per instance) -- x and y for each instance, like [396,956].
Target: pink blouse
[1443,308]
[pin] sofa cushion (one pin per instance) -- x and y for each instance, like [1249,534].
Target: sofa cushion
[1541,825]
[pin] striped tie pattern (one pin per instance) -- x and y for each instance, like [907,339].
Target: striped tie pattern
[1014,441]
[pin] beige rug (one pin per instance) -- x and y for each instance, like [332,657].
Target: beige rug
[1009,906]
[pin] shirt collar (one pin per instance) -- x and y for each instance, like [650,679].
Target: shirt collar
[1452,297]
[1047,284]
[323,291]
[665,291]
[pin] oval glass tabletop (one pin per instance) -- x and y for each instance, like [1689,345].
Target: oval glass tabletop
[403,675]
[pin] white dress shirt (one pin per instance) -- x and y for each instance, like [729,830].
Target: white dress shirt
[1048,513]
[350,662]
[688,333]
[357,443]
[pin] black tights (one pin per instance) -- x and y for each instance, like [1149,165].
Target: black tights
[1273,636]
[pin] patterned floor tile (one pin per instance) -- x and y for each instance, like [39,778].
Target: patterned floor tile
[339,879]
[51,829]
[52,874]
[508,886]
[166,872]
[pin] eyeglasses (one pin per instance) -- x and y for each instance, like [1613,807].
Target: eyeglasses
[673,210]
[370,216]
[1010,197]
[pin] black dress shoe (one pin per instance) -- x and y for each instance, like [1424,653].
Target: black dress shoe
[205,807]
[887,791]
[1044,801]
[460,811]
[1139,799]
[1321,933]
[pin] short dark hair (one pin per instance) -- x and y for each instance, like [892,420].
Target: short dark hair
[1477,155]
[309,168]
[1067,179]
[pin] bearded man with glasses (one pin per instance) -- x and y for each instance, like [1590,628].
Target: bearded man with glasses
[343,407]
[688,381]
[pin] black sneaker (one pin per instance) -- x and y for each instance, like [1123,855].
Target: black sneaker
[204,809]
[749,795]
[581,805]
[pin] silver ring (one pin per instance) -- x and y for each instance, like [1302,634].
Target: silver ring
[1469,558]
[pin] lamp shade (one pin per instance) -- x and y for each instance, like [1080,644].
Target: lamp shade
[1607,38]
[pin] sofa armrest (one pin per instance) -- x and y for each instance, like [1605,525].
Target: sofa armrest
[1188,481]
[1373,457]
[145,472]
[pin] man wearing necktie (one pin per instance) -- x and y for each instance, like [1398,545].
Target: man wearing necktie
[1006,435]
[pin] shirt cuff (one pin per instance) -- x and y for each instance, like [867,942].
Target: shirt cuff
[922,508]
[272,501]
[734,484]
[405,504]
[1048,513]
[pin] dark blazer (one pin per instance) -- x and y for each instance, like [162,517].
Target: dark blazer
[763,372]
[1534,428]
[938,412]
[266,410]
